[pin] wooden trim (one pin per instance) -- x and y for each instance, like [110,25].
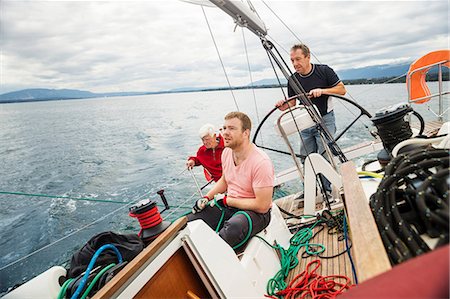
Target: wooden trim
[191,295]
[368,251]
[133,267]
[175,279]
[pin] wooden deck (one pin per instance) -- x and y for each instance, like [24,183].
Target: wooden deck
[368,254]
[334,244]
[431,127]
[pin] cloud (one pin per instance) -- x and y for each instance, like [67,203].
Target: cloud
[105,46]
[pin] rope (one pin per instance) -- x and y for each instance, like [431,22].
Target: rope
[250,228]
[411,200]
[347,247]
[91,265]
[63,290]
[289,257]
[335,224]
[310,284]
[370,174]
[96,278]
[279,45]
[74,198]
[222,216]
[220,58]
[148,219]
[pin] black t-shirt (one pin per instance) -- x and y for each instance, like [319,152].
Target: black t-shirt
[321,76]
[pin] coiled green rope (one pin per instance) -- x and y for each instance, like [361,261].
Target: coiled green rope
[289,257]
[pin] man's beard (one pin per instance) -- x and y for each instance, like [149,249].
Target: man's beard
[234,144]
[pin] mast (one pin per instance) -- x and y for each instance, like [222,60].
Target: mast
[247,17]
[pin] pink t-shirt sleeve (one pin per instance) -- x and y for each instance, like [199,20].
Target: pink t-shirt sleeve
[263,176]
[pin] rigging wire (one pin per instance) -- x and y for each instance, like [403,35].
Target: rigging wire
[276,75]
[63,197]
[378,85]
[67,236]
[302,96]
[220,58]
[278,44]
[250,73]
[125,205]
[307,102]
[287,27]
[251,78]
[180,205]
[318,60]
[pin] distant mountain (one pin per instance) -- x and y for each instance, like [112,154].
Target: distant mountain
[45,94]
[370,72]
[373,72]
[186,89]
[268,82]
[363,75]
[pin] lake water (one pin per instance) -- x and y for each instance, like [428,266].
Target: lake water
[122,149]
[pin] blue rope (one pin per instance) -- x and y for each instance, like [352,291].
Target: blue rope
[91,265]
[348,251]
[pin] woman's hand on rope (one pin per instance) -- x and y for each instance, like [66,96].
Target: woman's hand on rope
[200,204]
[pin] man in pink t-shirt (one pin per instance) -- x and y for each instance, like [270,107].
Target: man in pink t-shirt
[247,179]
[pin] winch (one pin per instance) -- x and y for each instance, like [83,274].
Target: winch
[393,127]
[149,218]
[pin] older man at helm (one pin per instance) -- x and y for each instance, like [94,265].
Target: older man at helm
[209,154]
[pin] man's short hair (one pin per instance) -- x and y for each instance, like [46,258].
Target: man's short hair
[304,48]
[245,120]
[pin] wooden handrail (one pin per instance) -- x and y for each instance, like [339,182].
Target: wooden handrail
[368,250]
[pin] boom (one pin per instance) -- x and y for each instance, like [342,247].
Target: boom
[242,15]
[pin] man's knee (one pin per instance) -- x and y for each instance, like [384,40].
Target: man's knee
[235,230]
[210,215]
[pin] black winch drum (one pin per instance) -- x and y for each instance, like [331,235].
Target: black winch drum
[393,124]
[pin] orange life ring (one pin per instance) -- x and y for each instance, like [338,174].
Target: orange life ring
[419,88]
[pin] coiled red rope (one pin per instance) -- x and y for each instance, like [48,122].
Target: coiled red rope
[309,284]
[148,219]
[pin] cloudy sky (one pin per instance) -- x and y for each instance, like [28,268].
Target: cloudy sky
[108,46]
